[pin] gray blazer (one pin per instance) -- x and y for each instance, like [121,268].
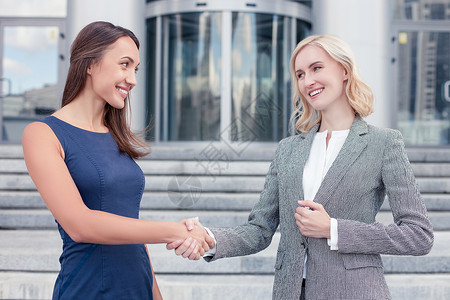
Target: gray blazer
[371,164]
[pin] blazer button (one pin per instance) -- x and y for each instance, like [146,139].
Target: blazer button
[303,244]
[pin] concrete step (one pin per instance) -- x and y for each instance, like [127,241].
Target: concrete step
[218,168]
[208,183]
[42,218]
[238,152]
[431,169]
[436,155]
[150,200]
[24,285]
[204,201]
[39,250]
[169,167]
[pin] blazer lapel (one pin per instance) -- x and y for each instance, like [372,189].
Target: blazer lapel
[355,143]
[300,153]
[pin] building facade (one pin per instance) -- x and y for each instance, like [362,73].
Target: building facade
[218,70]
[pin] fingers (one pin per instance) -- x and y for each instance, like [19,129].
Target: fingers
[174,245]
[193,249]
[187,249]
[185,246]
[195,256]
[298,221]
[210,241]
[312,219]
[198,252]
[201,251]
[311,204]
[205,246]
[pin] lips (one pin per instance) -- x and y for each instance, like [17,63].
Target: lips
[123,92]
[315,92]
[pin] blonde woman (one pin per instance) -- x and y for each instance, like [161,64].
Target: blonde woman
[326,185]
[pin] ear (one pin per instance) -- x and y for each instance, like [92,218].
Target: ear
[89,70]
[345,74]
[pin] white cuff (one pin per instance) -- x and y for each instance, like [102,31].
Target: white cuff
[211,251]
[333,240]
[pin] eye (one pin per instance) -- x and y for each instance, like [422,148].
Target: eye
[299,75]
[125,64]
[316,68]
[136,70]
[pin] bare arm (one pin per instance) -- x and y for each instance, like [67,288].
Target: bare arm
[44,158]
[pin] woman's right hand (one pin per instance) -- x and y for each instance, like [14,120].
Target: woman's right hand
[196,245]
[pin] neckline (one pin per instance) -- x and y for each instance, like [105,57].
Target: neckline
[334,132]
[79,128]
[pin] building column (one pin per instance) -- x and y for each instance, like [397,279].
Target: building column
[365,26]
[129,14]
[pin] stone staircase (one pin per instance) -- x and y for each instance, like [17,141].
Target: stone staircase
[219,184]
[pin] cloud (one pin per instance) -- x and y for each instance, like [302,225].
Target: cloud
[15,67]
[31,39]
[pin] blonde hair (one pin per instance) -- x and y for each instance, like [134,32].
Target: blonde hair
[359,94]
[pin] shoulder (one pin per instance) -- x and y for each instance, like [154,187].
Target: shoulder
[386,134]
[386,140]
[38,136]
[37,130]
[288,142]
[287,145]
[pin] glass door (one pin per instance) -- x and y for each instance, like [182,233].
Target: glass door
[423,77]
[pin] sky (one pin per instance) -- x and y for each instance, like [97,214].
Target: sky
[30,53]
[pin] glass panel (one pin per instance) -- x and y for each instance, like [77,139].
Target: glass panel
[261,49]
[33,8]
[422,10]
[424,83]
[151,76]
[30,67]
[192,84]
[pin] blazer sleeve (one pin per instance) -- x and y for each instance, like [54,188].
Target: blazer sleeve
[262,223]
[412,232]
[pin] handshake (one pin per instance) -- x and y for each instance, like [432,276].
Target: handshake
[197,244]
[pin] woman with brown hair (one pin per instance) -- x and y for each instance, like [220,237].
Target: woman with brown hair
[81,159]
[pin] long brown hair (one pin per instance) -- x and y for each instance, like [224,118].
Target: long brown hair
[88,49]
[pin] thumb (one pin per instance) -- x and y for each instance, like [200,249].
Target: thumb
[190,223]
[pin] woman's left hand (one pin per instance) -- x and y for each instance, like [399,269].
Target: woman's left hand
[312,219]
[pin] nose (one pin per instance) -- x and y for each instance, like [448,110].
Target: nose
[309,80]
[131,78]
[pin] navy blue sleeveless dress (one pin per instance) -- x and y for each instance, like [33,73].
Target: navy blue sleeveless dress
[109,181]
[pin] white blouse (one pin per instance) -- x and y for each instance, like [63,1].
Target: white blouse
[319,162]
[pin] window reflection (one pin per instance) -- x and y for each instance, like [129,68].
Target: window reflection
[261,46]
[422,9]
[424,82]
[151,77]
[185,76]
[192,52]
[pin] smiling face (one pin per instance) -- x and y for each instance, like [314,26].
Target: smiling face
[113,77]
[320,79]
